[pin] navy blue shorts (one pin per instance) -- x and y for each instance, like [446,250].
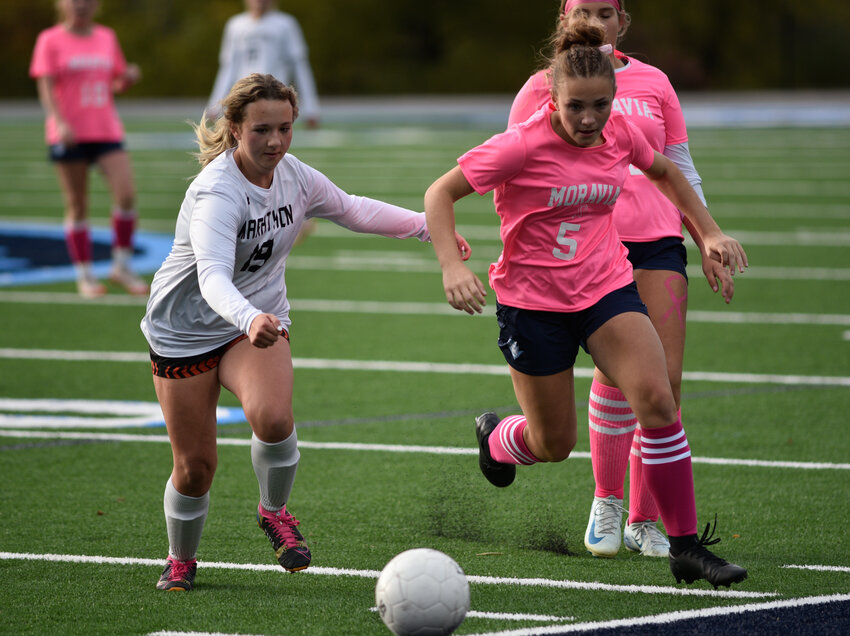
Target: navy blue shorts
[546,342]
[88,152]
[667,254]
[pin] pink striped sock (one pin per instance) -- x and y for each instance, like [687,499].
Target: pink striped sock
[123,226]
[666,459]
[506,443]
[642,505]
[78,242]
[612,424]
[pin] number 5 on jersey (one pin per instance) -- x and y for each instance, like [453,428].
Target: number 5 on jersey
[569,243]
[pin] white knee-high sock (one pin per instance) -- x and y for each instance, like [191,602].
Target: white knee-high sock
[275,466]
[184,521]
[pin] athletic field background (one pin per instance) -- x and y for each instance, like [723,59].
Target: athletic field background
[388,381]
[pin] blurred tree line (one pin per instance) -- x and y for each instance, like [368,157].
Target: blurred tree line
[360,47]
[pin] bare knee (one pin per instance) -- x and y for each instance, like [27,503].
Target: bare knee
[75,213]
[654,405]
[552,446]
[193,476]
[271,424]
[677,393]
[126,200]
[557,451]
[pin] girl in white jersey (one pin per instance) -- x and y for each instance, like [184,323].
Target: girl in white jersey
[218,314]
[651,228]
[265,40]
[563,281]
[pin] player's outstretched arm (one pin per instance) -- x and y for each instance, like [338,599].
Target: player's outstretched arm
[464,290]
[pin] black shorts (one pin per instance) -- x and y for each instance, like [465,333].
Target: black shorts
[174,368]
[546,342]
[88,151]
[667,254]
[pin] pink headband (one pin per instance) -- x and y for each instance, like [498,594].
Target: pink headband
[572,4]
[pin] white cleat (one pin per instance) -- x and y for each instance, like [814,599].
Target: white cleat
[129,281]
[646,538]
[602,537]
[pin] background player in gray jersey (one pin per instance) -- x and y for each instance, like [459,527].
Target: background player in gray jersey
[265,40]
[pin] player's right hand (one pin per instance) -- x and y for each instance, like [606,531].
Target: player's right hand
[265,330]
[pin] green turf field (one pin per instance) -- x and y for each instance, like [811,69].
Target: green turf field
[388,381]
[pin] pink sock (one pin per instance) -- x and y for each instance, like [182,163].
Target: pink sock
[642,505]
[612,424]
[78,241]
[123,226]
[506,443]
[666,459]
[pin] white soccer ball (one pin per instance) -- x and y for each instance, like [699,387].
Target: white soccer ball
[422,592]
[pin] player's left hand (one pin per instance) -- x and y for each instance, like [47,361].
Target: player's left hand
[719,278]
[727,251]
[464,290]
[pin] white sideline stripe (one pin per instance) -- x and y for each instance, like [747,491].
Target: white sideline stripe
[820,568]
[173,633]
[671,618]
[503,616]
[374,574]
[425,367]
[397,448]
[427,309]
[470,614]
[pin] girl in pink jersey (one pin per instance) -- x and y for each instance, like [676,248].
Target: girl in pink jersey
[77,65]
[651,228]
[563,281]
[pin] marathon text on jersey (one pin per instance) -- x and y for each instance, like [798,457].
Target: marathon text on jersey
[272,220]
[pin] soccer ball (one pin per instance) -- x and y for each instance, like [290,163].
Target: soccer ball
[422,592]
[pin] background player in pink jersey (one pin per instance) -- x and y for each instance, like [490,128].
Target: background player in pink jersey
[563,281]
[651,228]
[78,65]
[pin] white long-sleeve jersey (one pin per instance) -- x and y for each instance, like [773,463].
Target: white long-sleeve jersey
[228,261]
[271,44]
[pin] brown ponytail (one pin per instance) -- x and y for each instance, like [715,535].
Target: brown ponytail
[576,54]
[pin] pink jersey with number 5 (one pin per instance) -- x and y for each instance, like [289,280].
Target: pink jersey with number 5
[647,99]
[83,68]
[561,251]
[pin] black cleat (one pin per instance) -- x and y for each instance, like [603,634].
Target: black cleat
[497,473]
[178,576]
[696,562]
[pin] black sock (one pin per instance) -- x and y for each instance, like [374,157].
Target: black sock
[679,544]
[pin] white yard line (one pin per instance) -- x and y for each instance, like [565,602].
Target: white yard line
[819,568]
[424,308]
[331,364]
[373,574]
[7,429]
